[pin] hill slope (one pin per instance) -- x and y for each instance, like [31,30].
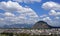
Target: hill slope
[41,24]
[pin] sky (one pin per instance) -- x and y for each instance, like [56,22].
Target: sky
[29,12]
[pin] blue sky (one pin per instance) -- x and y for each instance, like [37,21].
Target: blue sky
[30,11]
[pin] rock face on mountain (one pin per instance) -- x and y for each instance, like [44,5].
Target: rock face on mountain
[41,24]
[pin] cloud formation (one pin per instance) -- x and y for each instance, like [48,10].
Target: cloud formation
[47,19]
[26,15]
[54,11]
[51,5]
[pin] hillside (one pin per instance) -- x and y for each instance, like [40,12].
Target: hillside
[41,24]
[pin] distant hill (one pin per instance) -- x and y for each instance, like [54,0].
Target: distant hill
[18,26]
[41,24]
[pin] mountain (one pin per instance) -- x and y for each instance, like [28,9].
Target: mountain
[41,24]
[18,26]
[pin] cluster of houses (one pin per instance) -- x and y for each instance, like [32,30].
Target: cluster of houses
[32,31]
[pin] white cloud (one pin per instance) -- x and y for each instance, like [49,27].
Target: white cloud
[44,15]
[54,13]
[27,1]
[47,19]
[57,17]
[10,6]
[25,14]
[51,5]
[8,14]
